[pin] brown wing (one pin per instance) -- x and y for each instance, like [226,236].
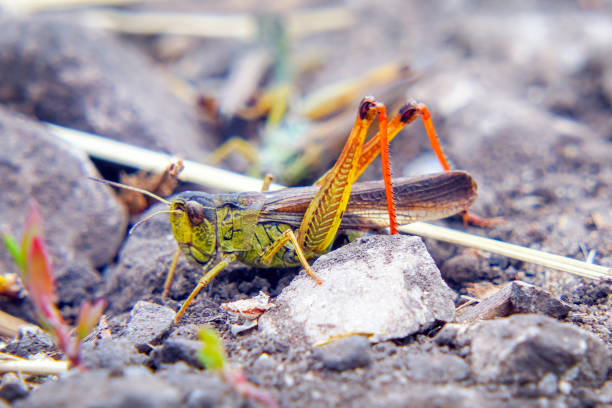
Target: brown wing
[421,198]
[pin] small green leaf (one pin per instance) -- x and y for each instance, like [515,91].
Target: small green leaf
[15,251]
[34,261]
[212,354]
[88,317]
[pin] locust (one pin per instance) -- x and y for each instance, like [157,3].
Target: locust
[287,227]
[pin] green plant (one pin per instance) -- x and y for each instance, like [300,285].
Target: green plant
[212,355]
[34,263]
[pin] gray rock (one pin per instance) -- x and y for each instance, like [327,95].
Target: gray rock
[200,388]
[548,386]
[382,286]
[452,335]
[64,73]
[345,354]
[13,391]
[186,331]
[111,353]
[527,349]
[429,396]
[134,387]
[461,268]
[265,363]
[590,293]
[148,325]
[436,367]
[515,297]
[604,393]
[12,388]
[176,349]
[177,385]
[30,340]
[83,224]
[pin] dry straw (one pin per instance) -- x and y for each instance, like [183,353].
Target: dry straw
[141,22]
[45,366]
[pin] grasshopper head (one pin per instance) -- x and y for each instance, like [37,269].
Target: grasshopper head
[193,220]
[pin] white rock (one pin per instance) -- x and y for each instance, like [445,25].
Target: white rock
[385,287]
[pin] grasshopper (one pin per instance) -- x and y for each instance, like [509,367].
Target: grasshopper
[257,228]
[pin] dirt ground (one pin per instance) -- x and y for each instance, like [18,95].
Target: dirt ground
[521,96]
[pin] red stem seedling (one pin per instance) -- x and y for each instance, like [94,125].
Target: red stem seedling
[34,264]
[212,356]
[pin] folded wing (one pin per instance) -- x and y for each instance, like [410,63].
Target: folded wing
[420,198]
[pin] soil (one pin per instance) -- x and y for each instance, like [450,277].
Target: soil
[521,96]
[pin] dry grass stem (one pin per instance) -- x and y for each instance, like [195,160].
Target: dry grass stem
[548,260]
[10,363]
[29,6]
[239,26]
[9,324]
[148,160]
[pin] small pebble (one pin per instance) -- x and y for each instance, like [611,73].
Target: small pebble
[345,354]
[148,324]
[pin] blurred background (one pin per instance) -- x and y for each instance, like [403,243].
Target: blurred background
[281,82]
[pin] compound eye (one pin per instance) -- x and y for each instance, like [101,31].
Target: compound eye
[195,212]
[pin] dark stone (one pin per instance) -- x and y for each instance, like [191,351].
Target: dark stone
[436,367]
[135,387]
[524,349]
[590,293]
[449,335]
[461,268]
[177,385]
[176,349]
[345,354]
[425,395]
[148,325]
[111,353]
[526,298]
[83,224]
[13,391]
[200,388]
[515,297]
[31,340]
[64,73]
